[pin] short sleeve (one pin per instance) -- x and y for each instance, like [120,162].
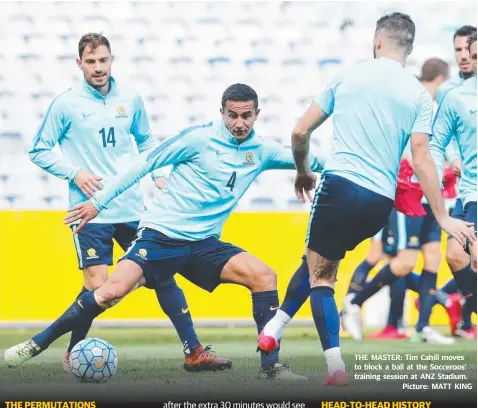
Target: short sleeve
[423,121]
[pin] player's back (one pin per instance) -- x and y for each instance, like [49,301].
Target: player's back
[376,106]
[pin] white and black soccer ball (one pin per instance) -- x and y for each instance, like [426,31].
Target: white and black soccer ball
[93,360]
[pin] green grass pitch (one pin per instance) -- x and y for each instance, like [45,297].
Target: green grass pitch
[150,369]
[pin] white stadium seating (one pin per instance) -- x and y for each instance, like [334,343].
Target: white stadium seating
[181,56]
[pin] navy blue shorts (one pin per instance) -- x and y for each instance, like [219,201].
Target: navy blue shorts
[458,212]
[470,216]
[413,232]
[94,243]
[161,257]
[343,215]
[389,235]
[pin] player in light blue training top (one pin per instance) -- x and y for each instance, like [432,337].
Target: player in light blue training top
[462,57]
[376,107]
[213,166]
[456,118]
[92,123]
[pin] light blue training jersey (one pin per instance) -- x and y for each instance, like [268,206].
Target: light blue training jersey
[456,118]
[376,106]
[449,84]
[211,171]
[94,134]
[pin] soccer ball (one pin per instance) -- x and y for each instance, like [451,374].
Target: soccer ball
[93,360]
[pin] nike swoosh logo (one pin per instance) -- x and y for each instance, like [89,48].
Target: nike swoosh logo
[101,363]
[185,310]
[85,115]
[80,303]
[274,308]
[472,111]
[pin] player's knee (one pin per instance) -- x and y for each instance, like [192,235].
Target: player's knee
[97,282]
[431,256]
[112,291]
[95,276]
[432,264]
[264,279]
[404,263]
[456,257]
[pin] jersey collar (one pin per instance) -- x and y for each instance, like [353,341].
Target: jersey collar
[230,137]
[92,91]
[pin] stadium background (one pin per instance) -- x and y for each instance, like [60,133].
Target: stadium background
[181,56]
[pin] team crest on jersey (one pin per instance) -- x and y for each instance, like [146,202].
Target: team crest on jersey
[91,253]
[142,253]
[249,159]
[121,112]
[414,240]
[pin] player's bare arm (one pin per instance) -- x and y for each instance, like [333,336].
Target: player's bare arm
[425,170]
[305,179]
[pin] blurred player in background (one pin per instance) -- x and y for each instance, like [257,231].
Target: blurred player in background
[462,57]
[456,118]
[377,253]
[213,166]
[376,107]
[414,234]
[456,258]
[92,123]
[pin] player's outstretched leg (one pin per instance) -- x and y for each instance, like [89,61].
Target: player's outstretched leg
[93,277]
[246,270]
[323,274]
[400,266]
[351,312]
[126,277]
[197,358]
[77,334]
[374,256]
[459,262]
[297,293]
[395,315]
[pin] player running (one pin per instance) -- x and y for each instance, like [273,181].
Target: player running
[213,166]
[376,108]
[92,123]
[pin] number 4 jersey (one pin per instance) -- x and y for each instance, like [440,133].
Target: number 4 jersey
[211,171]
[94,134]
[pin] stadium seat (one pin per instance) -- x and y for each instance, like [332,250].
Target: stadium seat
[181,56]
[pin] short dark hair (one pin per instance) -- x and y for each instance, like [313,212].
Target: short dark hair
[94,40]
[239,92]
[399,28]
[464,31]
[471,39]
[433,68]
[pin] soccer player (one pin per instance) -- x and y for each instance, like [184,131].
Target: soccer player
[375,254]
[456,258]
[376,106]
[414,234]
[462,57]
[456,118]
[213,166]
[92,123]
